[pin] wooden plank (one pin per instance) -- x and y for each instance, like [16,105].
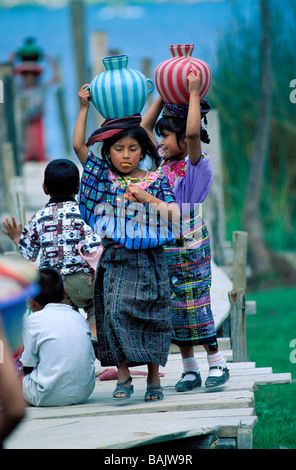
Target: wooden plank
[110,433]
[274,379]
[106,432]
[40,415]
[251,308]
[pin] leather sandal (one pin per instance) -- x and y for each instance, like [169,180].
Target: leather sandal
[156,391]
[120,388]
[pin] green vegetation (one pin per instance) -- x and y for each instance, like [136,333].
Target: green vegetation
[269,334]
[235,93]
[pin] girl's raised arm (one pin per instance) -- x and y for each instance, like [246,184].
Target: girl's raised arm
[193,118]
[78,142]
[150,118]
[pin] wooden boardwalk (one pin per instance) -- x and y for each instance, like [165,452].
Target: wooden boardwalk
[222,417]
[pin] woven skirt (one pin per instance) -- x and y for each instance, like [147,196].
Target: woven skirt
[190,282]
[132,306]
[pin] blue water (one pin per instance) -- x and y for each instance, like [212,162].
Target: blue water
[141,30]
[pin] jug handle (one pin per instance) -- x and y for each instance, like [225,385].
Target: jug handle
[88,88]
[152,85]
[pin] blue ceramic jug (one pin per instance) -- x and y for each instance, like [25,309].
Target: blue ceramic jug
[119,91]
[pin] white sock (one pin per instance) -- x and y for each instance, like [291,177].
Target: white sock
[216,359]
[190,364]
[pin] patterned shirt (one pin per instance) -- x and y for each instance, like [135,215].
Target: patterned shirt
[53,233]
[191,185]
[105,206]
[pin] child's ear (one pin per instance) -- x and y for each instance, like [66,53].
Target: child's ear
[45,189]
[65,294]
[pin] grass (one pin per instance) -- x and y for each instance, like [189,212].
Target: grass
[269,336]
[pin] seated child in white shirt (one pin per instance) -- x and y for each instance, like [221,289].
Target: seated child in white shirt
[58,356]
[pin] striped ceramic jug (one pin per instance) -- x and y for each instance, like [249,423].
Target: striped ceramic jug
[119,91]
[171,75]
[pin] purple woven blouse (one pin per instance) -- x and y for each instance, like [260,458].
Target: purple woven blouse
[190,183]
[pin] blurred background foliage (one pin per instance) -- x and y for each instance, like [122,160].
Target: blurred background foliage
[235,92]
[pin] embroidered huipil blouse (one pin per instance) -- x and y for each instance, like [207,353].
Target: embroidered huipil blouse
[105,206]
[191,184]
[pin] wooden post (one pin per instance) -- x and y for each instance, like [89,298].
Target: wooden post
[240,245]
[99,42]
[8,171]
[239,267]
[238,325]
[6,74]
[17,194]
[64,122]
[78,31]
[146,69]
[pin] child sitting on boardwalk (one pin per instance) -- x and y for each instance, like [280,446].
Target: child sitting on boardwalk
[58,357]
[132,293]
[189,172]
[54,233]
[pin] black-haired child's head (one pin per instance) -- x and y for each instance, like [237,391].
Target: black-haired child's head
[137,133]
[176,125]
[61,177]
[51,289]
[174,120]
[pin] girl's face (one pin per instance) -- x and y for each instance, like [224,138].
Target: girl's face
[125,155]
[172,149]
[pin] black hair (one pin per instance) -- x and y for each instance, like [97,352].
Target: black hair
[177,125]
[51,287]
[137,133]
[61,177]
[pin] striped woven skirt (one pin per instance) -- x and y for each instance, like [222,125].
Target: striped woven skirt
[190,281]
[132,306]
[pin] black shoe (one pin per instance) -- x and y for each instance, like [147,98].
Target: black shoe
[214,381]
[186,385]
